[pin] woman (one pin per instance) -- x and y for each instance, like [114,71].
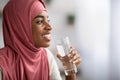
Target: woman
[26,34]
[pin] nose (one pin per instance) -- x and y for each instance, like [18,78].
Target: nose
[48,27]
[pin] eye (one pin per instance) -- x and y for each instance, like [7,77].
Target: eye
[40,22]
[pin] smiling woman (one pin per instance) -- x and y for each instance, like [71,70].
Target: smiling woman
[27,32]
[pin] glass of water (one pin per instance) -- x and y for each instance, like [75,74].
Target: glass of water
[64,48]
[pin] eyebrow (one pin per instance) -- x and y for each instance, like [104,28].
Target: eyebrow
[40,16]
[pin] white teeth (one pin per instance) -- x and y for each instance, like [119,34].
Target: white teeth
[47,35]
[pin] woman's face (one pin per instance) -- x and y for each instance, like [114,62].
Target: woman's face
[41,30]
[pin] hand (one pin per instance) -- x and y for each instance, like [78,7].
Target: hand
[73,56]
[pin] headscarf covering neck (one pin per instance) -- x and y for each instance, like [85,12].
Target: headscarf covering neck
[20,55]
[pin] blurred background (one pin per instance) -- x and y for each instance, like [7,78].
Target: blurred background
[93,27]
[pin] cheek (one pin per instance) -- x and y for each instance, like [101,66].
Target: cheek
[37,33]
[36,29]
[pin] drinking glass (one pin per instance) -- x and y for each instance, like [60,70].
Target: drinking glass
[64,48]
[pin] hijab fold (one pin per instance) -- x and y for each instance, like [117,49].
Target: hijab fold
[20,59]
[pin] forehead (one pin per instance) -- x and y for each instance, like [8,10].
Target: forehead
[43,14]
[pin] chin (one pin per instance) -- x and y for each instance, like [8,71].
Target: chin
[45,45]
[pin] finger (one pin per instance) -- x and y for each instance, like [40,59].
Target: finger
[59,56]
[77,62]
[75,58]
[72,53]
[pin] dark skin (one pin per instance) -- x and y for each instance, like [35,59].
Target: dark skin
[41,30]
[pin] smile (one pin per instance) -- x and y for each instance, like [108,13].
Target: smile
[47,36]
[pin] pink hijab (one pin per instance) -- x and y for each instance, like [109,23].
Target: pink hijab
[20,59]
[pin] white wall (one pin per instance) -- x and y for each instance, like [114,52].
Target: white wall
[115,40]
[93,31]
[1,36]
[2,3]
